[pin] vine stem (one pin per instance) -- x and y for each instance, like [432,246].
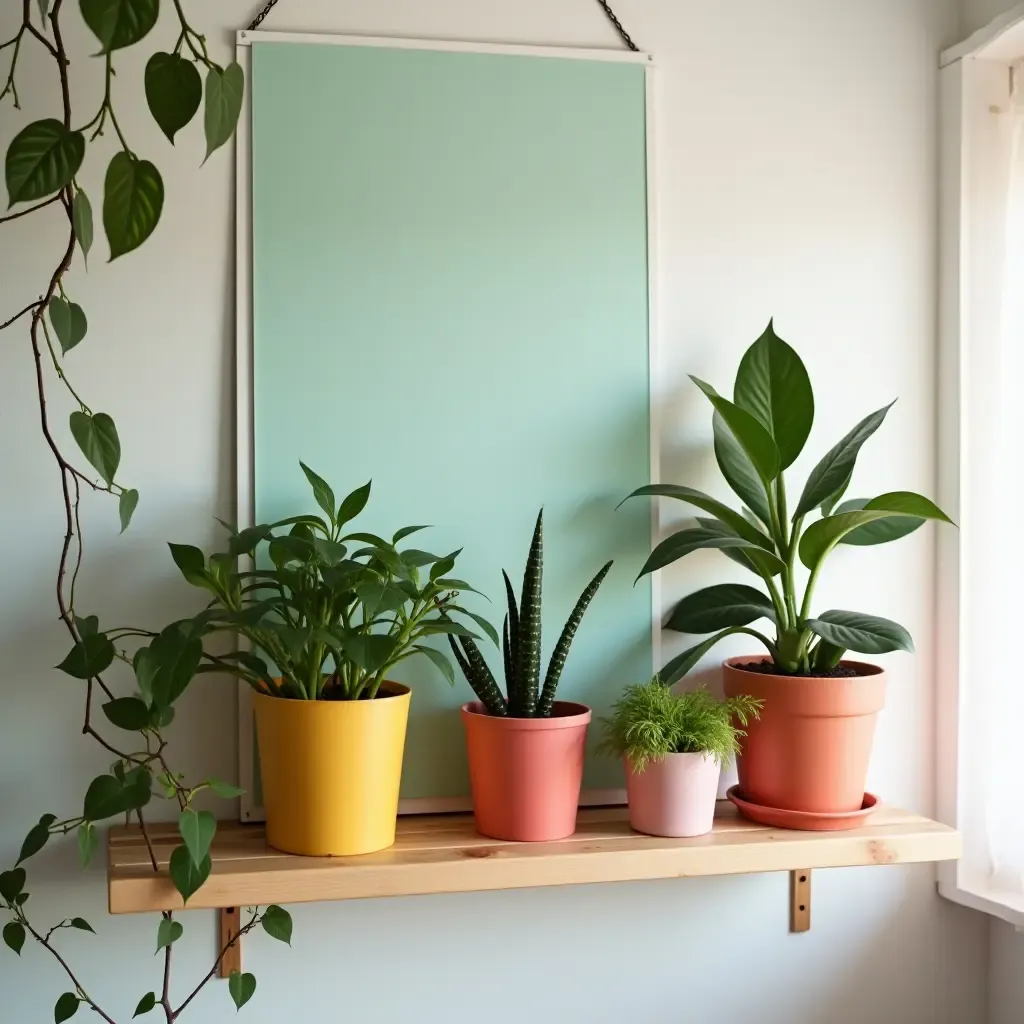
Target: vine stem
[18,316]
[32,209]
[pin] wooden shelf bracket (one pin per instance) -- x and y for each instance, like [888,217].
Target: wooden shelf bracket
[230,943]
[800,900]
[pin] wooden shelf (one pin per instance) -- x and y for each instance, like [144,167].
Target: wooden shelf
[443,853]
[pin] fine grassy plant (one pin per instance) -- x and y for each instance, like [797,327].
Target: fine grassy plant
[334,611]
[525,696]
[757,436]
[650,721]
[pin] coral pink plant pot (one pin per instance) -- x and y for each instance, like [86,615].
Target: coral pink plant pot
[810,749]
[674,796]
[525,773]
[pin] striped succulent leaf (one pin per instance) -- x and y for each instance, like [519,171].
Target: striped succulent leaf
[561,651]
[506,650]
[528,653]
[512,658]
[478,675]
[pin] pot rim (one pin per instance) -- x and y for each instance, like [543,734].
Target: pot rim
[865,670]
[580,714]
[387,689]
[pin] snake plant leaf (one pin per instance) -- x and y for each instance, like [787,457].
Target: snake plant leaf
[753,438]
[706,503]
[511,679]
[321,492]
[506,651]
[561,651]
[833,472]
[678,667]
[528,664]
[882,531]
[773,386]
[760,561]
[718,607]
[866,634]
[692,539]
[738,470]
[481,679]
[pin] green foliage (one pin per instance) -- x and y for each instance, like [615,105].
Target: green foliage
[521,644]
[649,721]
[333,611]
[757,436]
[277,923]
[241,987]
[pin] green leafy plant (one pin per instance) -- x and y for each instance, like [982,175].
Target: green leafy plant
[334,612]
[758,435]
[649,721]
[521,644]
[42,168]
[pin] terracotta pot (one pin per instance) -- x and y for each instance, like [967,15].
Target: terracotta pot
[809,750]
[331,771]
[525,773]
[674,796]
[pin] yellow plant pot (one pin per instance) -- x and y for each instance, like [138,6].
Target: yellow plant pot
[331,771]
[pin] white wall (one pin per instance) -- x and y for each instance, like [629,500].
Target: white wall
[797,164]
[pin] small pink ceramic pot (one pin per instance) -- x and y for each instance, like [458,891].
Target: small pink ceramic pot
[674,796]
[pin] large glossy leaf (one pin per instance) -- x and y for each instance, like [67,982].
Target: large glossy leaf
[909,503]
[758,560]
[865,634]
[773,386]
[370,651]
[69,322]
[133,199]
[88,658]
[738,470]
[755,441]
[675,669]
[224,92]
[108,795]
[882,531]
[119,23]
[718,607]
[832,473]
[686,541]
[81,213]
[41,159]
[703,501]
[128,713]
[97,437]
[174,91]
[174,659]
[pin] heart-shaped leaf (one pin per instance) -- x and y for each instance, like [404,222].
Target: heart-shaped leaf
[753,438]
[277,923]
[241,987]
[714,608]
[97,437]
[738,470]
[69,322]
[12,884]
[37,838]
[133,198]
[188,877]
[866,634]
[14,936]
[89,657]
[833,472]
[81,213]
[126,506]
[174,91]
[41,159]
[773,386]
[146,1003]
[119,23]
[224,92]
[167,933]
[128,713]
[197,830]
[66,1007]
[174,659]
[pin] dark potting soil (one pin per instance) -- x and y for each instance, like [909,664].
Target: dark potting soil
[768,668]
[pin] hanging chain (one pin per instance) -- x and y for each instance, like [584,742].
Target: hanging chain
[612,17]
[259,17]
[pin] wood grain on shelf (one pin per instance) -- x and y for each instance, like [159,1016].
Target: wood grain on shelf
[444,854]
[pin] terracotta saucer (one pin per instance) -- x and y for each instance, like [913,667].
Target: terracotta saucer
[804,821]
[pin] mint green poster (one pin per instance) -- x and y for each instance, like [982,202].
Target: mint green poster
[450,297]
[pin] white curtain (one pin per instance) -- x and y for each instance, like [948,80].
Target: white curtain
[993,520]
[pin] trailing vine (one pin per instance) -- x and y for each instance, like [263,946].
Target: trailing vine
[41,170]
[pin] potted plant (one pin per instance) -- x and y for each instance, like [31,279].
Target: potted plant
[334,612]
[525,748]
[809,750]
[674,746]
